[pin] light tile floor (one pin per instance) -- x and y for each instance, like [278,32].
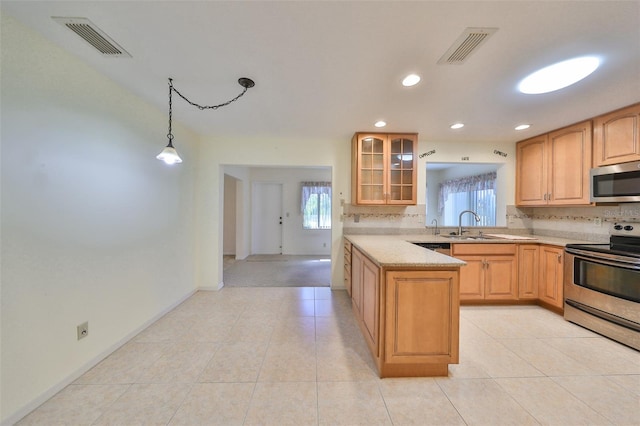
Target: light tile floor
[295,356]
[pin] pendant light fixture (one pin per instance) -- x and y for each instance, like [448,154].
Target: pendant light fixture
[169,154]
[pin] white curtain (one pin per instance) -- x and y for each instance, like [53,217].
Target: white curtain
[465,184]
[315,205]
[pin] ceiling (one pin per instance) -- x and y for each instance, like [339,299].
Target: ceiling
[325,69]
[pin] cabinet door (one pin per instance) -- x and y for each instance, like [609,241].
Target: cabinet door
[384,169]
[422,317]
[357,259]
[500,275]
[551,275]
[531,172]
[472,278]
[370,168]
[347,266]
[402,162]
[616,137]
[569,164]
[528,267]
[371,302]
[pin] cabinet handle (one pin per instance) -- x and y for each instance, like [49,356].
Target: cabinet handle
[559,258]
[545,197]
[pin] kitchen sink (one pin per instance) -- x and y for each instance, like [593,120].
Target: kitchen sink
[468,237]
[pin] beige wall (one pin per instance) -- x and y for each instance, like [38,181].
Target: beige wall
[94,228]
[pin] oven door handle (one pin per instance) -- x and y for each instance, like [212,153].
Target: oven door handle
[606,259]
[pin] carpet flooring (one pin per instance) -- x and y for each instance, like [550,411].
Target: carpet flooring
[278,271]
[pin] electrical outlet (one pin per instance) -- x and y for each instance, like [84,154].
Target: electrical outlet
[83,330]
[597,221]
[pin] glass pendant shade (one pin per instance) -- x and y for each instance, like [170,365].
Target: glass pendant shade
[169,155]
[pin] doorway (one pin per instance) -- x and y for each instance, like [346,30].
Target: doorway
[284,254]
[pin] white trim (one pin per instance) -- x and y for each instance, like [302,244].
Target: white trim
[211,288]
[49,393]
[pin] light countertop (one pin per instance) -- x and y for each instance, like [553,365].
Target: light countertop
[397,250]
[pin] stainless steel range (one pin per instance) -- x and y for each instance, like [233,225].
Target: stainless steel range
[602,285]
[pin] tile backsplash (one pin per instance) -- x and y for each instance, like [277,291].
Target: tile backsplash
[590,223]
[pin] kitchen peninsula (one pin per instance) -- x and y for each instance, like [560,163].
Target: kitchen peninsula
[406,301]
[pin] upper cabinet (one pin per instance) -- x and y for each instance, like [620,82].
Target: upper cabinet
[384,169]
[616,137]
[553,169]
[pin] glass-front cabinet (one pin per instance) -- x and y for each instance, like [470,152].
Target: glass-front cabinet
[384,168]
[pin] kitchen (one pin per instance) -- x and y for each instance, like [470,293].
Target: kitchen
[594,285]
[128,256]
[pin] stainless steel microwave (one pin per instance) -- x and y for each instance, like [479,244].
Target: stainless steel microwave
[619,183]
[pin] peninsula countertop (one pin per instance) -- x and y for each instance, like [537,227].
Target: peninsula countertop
[393,251]
[398,250]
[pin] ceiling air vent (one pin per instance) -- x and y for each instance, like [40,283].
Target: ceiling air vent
[93,35]
[465,45]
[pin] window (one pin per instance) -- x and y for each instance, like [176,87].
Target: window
[316,205]
[475,193]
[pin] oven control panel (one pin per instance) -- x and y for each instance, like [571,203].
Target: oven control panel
[626,228]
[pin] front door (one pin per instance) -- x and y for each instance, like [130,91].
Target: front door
[266,218]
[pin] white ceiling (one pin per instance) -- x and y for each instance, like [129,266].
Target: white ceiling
[325,69]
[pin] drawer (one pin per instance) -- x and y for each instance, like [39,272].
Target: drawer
[472,248]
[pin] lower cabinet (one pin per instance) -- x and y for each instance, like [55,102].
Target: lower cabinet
[371,303]
[347,266]
[491,272]
[550,288]
[357,260]
[528,271]
[409,318]
[510,272]
[422,317]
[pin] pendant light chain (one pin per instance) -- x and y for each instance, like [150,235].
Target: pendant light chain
[202,107]
[169,154]
[170,135]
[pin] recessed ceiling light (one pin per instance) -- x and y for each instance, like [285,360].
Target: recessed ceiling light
[523,127]
[558,76]
[411,80]
[457,126]
[380,123]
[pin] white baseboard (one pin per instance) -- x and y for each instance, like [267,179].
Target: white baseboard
[42,398]
[211,287]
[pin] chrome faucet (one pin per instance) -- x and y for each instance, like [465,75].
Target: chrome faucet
[460,219]
[435,232]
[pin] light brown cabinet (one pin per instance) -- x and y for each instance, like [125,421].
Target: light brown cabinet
[616,137]
[422,318]
[365,282]
[528,271]
[491,272]
[553,169]
[551,275]
[409,318]
[371,303]
[384,169]
[347,266]
[357,261]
